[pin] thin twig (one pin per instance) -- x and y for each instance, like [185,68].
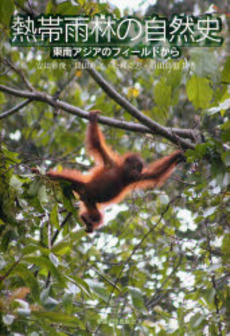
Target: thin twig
[53,239]
[3,277]
[20,73]
[105,278]
[15,109]
[68,216]
[213,280]
[26,10]
[152,302]
[136,248]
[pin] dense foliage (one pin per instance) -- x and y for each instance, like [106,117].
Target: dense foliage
[160,264]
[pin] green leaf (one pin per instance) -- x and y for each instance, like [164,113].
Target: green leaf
[83,285]
[2,262]
[162,94]
[2,98]
[226,71]
[50,303]
[16,183]
[44,262]
[98,289]
[54,259]
[61,318]
[30,248]
[196,320]
[199,91]
[54,217]
[6,10]
[42,195]
[137,297]
[223,106]
[225,248]
[34,188]
[226,158]
[206,62]
[62,248]
[29,280]
[209,295]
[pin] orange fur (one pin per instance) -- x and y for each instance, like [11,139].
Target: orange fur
[148,184]
[113,177]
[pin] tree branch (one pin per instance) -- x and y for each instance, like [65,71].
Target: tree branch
[28,11]
[68,216]
[20,73]
[130,126]
[135,112]
[3,277]
[15,109]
